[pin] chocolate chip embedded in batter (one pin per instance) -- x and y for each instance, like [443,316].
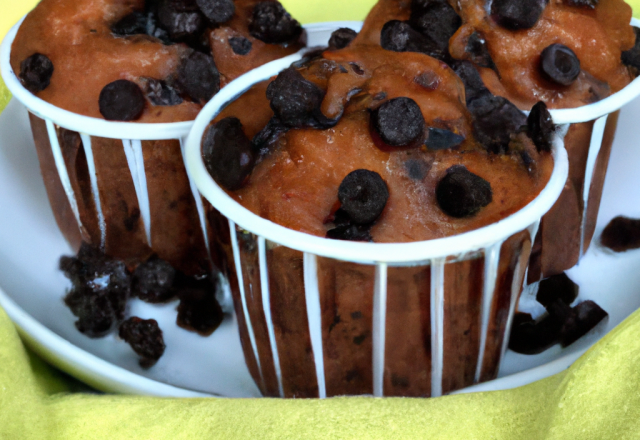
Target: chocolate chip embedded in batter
[442,139]
[363,195]
[240,45]
[145,338]
[517,14]
[621,234]
[132,24]
[182,19]
[461,193]
[478,52]
[559,64]
[271,23]
[631,57]
[540,127]
[399,36]
[217,11]
[198,76]
[399,122]
[495,119]
[161,93]
[473,85]
[228,153]
[436,20]
[341,38]
[296,101]
[558,287]
[153,281]
[121,100]
[350,233]
[267,135]
[35,72]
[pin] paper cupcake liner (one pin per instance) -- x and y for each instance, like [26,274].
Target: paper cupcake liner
[292,291]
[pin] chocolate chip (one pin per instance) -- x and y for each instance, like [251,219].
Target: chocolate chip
[358,340]
[495,119]
[271,23]
[296,101]
[350,232]
[121,100]
[132,24]
[240,45]
[35,72]
[227,153]
[530,337]
[442,139]
[199,310]
[399,36]
[182,19]
[461,193]
[399,122]
[437,20]
[268,135]
[584,3]
[478,52]
[631,57]
[145,338]
[101,287]
[559,64]
[341,38]
[217,11]
[198,76]
[417,169]
[153,281]
[428,80]
[160,93]
[584,318]
[363,195]
[356,69]
[540,127]
[517,14]
[473,85]
[621,234]
[558,287]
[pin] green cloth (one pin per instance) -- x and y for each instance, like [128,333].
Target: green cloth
[597,398]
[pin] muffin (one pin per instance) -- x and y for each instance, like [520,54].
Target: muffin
[360,144]
[148,62]
[565,53]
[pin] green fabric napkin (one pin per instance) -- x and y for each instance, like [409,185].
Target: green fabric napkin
[597,398]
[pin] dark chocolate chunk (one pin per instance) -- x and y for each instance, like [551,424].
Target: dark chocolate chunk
[495,119]
[153,281]
[199,310]
[350,232]
[153,29]
[621,234]
[399,122]
[363,195]
[558,287]
[559,64]
[428,80]
[461,193]
[540,127]
[417,169]
[240,45]
[341,38]
[399,36]
[584,3]
[296,101]
[268,135]
[161,93]
[530,337]
[631,57]
[517,14]
[182,19]
[145,338]
[585,317]
[101,287]
[35,72]
[473,85]
[357,70]
[478,52]
[132,24]
[198,76]
[228,153]
[442,139]
[436,20]
[217,11]
[121,100]
[271,23]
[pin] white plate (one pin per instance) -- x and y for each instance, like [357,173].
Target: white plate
[32,287]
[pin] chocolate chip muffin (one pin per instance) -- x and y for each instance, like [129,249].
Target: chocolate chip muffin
[366,144]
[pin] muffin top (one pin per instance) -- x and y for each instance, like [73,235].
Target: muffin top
[371,145]
[153,61]
[566,53]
